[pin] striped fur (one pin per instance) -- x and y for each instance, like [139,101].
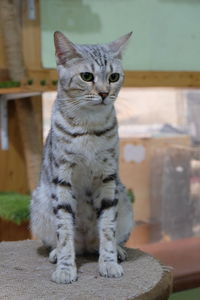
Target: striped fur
[80,204]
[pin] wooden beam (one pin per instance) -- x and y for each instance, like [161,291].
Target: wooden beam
[174,79]
[26,89]
[179,79]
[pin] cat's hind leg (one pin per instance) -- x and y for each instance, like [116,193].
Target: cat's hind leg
[121,253]
[42,218]
[125,220]
[53,256]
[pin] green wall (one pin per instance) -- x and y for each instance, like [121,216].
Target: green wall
[166,33]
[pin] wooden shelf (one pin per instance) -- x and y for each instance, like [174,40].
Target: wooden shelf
[26,89]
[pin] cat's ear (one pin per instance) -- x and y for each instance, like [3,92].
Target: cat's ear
[117,46]
[65,49]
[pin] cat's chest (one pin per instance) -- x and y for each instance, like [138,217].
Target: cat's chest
[88,146]
[90,168]
[87,173]
[91,157]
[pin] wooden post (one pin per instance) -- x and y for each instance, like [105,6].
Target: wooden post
[13,171]
[10,24]
[28,112]
[29,115]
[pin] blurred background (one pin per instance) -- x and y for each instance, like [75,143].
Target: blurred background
[158,111]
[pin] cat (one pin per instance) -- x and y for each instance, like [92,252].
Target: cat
[80,205]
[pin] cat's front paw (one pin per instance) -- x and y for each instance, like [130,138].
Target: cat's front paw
[67,275]
[110,269]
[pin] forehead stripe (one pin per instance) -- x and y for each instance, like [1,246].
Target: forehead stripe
[111,68]
[98,56]
[94,58]
[105,59]
[93,68]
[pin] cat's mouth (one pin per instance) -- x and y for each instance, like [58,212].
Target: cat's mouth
[99,103]
[103,102]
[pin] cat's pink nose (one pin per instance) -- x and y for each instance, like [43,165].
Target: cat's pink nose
[103,95]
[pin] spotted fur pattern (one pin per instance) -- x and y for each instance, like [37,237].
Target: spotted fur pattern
[80,204]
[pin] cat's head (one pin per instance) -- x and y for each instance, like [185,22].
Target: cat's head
[91,75]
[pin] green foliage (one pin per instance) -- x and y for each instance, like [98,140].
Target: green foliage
[14,207]
[30,81]
[43,82]
[9,84]
[131,196]
[54,82]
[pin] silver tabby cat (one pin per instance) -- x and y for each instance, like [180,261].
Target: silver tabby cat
[80,204]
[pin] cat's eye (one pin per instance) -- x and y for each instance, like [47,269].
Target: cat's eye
[86,76]
[114,77]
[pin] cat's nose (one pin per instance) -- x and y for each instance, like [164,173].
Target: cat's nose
[103,95]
